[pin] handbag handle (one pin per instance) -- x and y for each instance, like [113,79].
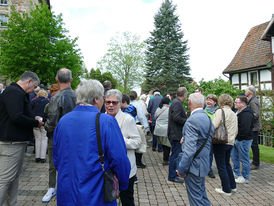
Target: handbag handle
[99,143]
[223,117]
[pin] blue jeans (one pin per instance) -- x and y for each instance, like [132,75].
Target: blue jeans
[222,158]
[211,156]
[240,153]
[175,150]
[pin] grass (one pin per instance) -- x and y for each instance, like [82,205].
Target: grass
[266,154]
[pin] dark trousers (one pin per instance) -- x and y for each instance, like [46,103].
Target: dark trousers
[211,156]
[154,141]
[166,151]
[126,196]
[196,190]
[175,150]
[138,158]
[255,148]
[222,158]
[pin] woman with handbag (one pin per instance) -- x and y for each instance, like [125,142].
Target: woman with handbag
[226,125]
[113,100]
[161,116]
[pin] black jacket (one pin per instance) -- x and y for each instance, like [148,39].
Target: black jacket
[38,106]
[245,124]
[176,120]
[16,118]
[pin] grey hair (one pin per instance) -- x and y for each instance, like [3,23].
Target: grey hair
[88,90]
[64,75]
[30,75]
[252,89]
[197,99]
[114,92]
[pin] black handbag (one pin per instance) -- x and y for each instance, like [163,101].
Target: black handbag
[220,135]
[111,183]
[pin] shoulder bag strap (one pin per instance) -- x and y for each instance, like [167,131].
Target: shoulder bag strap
[161,113]
[223,117]
[99,143]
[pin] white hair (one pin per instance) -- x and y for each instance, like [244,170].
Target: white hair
[197,99]
[143,96]
[252,89]
[114,92]
[88,90]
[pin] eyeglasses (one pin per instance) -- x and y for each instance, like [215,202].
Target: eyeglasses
[114,103]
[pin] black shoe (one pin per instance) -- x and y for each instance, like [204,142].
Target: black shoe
[141,165]
[160,150]
[211,174]
[153,149]
[177,180]
[37,160]
[136,180]
[43,160]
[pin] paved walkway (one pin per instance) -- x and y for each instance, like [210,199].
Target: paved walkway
[153,187]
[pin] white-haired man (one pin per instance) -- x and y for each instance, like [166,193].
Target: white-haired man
[195,131]
[254,104]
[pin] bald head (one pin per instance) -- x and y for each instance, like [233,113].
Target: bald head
[64,75]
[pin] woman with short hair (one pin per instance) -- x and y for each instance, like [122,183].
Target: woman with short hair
[113,100]
[222,151]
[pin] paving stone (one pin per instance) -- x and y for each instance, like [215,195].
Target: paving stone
[154,188]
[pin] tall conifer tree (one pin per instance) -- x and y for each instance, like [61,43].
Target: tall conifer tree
[167,65]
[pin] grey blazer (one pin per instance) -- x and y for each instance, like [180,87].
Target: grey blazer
[194,134]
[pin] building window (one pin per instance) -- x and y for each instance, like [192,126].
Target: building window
[3,2]
[253,78]
[3,20]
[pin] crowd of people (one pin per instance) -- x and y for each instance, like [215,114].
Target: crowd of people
[63,124]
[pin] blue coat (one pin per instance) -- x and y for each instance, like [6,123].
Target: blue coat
[194,133]
[75,156]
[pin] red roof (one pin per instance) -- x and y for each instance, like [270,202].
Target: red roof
[253,52]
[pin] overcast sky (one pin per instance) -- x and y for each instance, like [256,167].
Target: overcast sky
[214,29]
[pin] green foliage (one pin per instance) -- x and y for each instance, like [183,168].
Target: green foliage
[101,77]
[125,60]
[267,114]
[266,154]
[167,66]
[37,41]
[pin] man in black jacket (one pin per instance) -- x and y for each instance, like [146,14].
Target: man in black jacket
[16,130]
[176,120]
[243,141]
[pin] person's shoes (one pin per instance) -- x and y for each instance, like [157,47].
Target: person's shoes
[241,180]
[43,160]
[236,176]
[141,165]
[178,180]
[50,194]
[37,160]
[254,167]
[234,190]
[165,163]
[153,149]
[160,150]
[211,174]
[219,190]
[136,180]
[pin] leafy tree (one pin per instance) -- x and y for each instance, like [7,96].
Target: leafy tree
[166,55]
[37,41]
[125,60]
[101,77]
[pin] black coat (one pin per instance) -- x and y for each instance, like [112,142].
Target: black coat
[16,118]
[245,124]
[176,120]
[38,106]
[152,107]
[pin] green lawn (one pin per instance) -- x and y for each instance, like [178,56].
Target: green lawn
[266,154]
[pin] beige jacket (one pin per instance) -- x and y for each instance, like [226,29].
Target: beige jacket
[231,123]
[131,136]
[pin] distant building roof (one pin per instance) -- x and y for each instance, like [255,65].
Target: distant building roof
[253,52]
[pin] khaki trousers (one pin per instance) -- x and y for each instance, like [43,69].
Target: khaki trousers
[11,165]
[41,142]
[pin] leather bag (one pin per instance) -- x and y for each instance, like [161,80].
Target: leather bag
[111,183]
[220,135]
